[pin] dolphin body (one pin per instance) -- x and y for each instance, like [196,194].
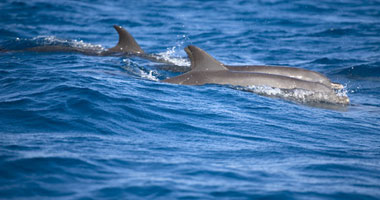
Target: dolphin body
[206,70]
[126,46]
[299,73]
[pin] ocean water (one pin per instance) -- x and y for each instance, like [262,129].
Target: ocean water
[74,126]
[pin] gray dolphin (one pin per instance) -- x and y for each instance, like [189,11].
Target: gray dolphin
[299,73]
[126,46]
[206,70]
[293,72]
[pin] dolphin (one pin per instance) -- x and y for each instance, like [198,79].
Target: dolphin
[126,46]
[293,72]
[207,70]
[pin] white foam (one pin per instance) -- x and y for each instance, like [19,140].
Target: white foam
[342,92]
[301,95]
[48,39]
[85,45]
[52,40]
[172,54]
[151,75]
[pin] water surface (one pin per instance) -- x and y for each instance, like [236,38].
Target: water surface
[74,126]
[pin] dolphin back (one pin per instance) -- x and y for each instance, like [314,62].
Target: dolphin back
[126,44]
[202,61]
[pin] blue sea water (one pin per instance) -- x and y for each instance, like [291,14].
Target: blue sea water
[74,126]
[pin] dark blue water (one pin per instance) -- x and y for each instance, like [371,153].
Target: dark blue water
[74,126]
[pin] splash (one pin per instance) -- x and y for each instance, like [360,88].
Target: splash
[171,55]
[135,70]
[301,95]
[85,45]
[78,44]
[151,75]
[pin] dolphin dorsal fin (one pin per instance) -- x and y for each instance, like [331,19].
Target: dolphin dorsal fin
[202,61]
[126,42]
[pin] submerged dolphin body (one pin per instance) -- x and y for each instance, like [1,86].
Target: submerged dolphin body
[207,70]
[126,46]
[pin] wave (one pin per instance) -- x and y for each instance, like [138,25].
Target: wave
[334,32]
[326,60]
[369,71]
[47,171]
